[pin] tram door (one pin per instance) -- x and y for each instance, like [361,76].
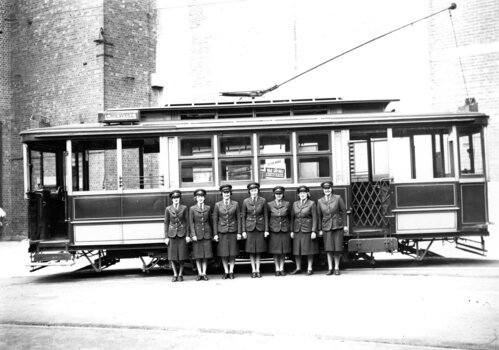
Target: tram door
[370,183]
[46,193]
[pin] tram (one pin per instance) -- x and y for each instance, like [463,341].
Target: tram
[99,191]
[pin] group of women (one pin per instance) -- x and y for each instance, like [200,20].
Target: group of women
[277,227]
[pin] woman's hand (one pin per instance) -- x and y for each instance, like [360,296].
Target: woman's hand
[187,239]
[215,238]
[321,233]
[245,235]
[292,235]
[266,234]
[194,239]
[313,235]
[167,241]
[239,237]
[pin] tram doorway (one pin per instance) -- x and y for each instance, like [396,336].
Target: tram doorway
[370,183]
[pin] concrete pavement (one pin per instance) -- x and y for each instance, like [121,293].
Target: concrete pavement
[400,304]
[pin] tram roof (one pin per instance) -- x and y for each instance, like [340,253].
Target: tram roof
[302,122]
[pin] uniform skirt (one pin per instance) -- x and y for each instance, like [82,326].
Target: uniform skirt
[177,249]
[201,249]
[303,244]
[333,241]
[255,243]
[280,243]
[227,246]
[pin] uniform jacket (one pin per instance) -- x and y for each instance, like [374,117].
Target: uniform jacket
[176,221]
[304,216]
[254,216]
[226,218]
[200,222]
[330,213]
[279,216]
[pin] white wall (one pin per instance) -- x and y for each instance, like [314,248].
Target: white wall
[211,46]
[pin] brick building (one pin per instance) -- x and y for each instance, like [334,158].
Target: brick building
[61,62]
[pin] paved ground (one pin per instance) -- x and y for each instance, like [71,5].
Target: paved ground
[400,304]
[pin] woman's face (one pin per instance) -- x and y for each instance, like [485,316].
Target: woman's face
[200,199]
[176,200]
[303,195]
[327,191]
[253,192]
[226,195]
[278,196]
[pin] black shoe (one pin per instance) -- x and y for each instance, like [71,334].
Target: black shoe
[278,273]
[337,272]
[329,273]
[205,278]
[258,275]
[180,278]
[282,273]
[199,278]
[310,272]
[174,279]
[225,276]
[296,272]
[231,276]
[253,275]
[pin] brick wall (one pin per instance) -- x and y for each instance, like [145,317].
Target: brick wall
[61,71]
[130,32]
[477,33]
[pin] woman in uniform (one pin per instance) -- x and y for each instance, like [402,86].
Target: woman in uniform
[330,212]
[201,233]
[304,221]
[255,226]
[280,240]
[177,234]
[227,230]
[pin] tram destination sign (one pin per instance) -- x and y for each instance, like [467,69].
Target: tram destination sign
[119,117]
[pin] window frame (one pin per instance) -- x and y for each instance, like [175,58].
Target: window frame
[311,154]
[183,159]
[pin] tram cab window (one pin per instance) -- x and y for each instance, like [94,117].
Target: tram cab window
[470,152]
[43,170]
[423,154]
[314,156]
[236,162]
[95,165]
[140,159]
[196,161]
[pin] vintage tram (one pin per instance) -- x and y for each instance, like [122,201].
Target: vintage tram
[100,190]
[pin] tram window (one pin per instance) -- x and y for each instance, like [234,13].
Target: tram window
[196,147]
[140,159]
[43,169]
[470,152]
[235,145]
[95,165]
[196,172]
[275,169]
[274,144]
[313,143]
[200,170]
[314,156]
[423,154]
[236,170]
[313,167]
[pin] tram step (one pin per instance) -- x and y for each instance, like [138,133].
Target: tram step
[44,257]
[472,246]
[371,245]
